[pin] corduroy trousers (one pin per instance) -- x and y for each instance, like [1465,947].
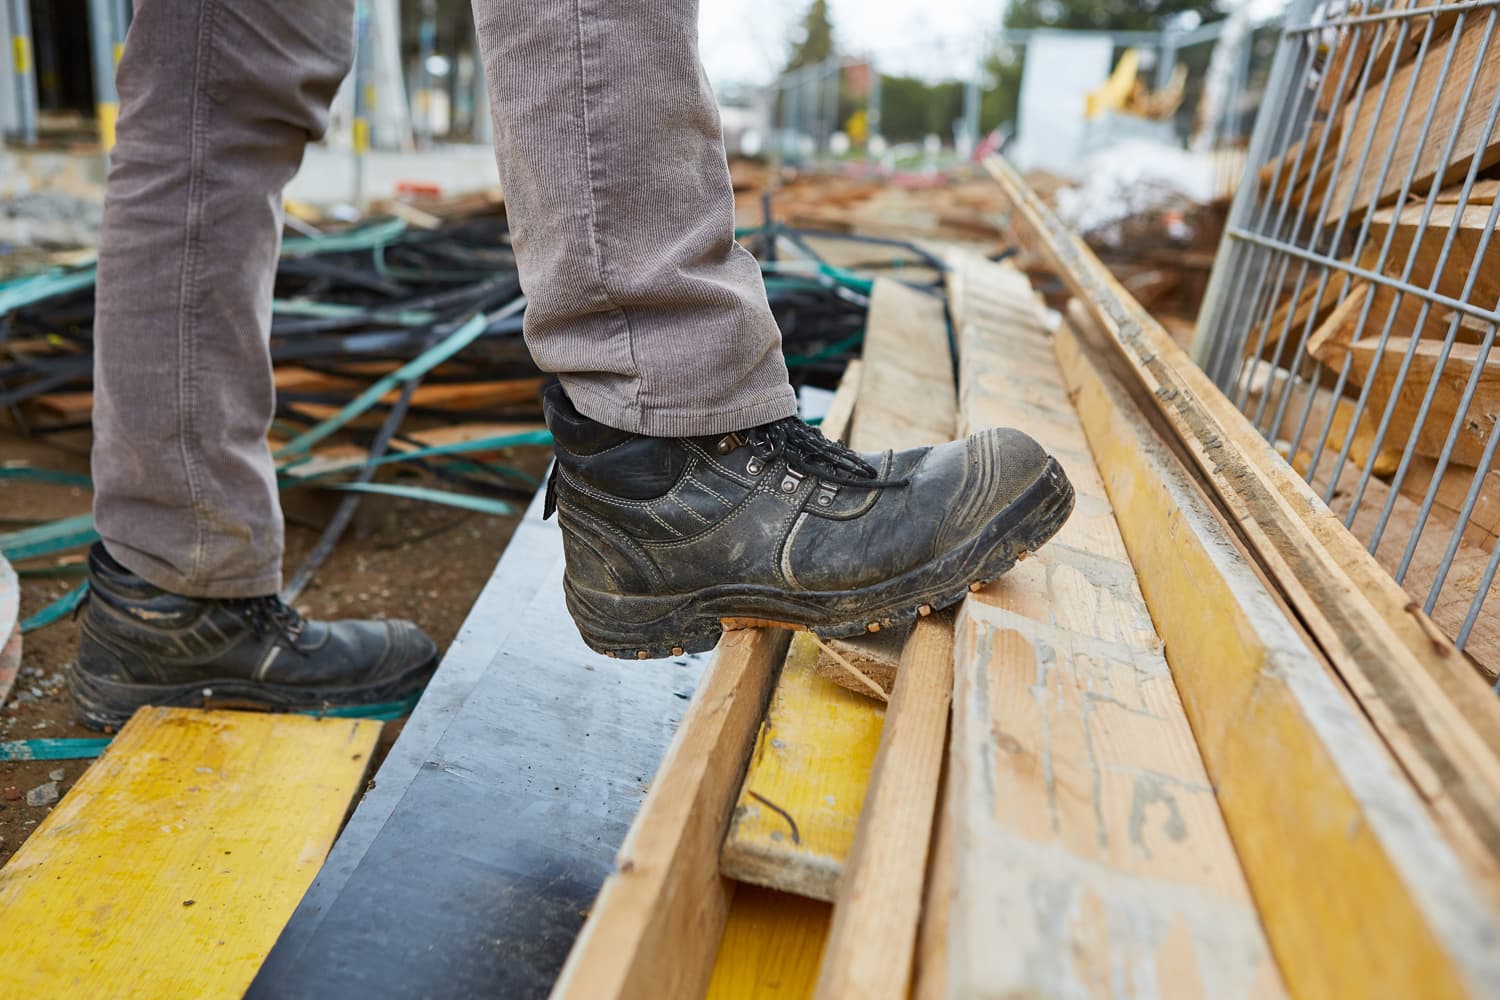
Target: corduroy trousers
[612,165]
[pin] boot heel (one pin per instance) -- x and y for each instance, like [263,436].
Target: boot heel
[639,627]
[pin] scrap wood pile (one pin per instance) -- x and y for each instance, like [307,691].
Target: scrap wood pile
[400,367]
[1159,240]
[1392,179]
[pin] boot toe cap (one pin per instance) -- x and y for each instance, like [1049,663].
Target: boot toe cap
[407,648]
[999,465]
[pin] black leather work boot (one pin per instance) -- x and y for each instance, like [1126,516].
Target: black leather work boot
[669,540]
[144,646]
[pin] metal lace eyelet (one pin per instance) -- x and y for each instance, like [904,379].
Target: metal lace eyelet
[754,467]
[792,480]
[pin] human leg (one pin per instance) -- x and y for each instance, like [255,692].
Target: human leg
[612,163]
[218,99]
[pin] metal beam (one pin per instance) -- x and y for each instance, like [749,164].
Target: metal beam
[21,67]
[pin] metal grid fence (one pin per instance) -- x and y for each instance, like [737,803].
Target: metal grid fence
[1353,305]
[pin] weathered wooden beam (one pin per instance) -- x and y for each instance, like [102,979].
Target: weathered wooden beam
[1429,705]
[871,945]
[1315,804]
[1368,122]
[655,927]
[1089,854]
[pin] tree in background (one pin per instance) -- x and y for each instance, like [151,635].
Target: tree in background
[812,43]
[1004,65]
[912,109]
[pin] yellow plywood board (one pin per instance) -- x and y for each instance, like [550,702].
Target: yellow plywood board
[771,946]
[171,867]
[799,806]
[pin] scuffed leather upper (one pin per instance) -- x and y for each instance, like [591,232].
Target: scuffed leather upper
[657,515]
[137,633]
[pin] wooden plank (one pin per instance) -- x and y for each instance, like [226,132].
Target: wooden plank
[908,369]
[1464,574]
[870,945]
[771,946]
[1425,162]
[654,929]
[1089,850]
[1452,382]
[797,811]
[930,965]
[1293,760]
[1467,231]
[1484,521]
[1428,704]
[656,925]
[812,759]
[172,865]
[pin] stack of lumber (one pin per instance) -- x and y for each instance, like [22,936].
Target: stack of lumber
[1394,199]
[1122,769]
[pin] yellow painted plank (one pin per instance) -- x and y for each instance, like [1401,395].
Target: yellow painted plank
[771,946]
[1089,854]
[1293,760]
[802,796]
[171,867]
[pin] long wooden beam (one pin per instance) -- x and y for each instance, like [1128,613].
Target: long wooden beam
[1089,855]
[871,945]
[1317,808]
[1426,701]
[797,813]
[656,925]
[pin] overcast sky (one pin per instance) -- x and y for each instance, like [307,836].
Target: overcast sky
[746,40]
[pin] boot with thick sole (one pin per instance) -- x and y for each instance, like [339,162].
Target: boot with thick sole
[144,646]
[669,541]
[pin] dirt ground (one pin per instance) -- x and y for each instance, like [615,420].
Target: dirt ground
[399,559]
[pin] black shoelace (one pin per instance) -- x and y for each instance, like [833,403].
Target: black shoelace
[806,449]
[270,615]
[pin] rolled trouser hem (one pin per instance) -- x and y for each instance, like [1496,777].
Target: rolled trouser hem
[155,572]
[678,423]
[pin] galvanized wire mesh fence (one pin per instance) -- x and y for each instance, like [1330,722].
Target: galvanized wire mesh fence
[1354,303]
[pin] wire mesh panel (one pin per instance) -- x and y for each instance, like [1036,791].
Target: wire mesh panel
[1353,306]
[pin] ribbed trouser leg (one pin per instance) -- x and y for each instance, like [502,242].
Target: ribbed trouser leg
[218,99]
[612,164]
